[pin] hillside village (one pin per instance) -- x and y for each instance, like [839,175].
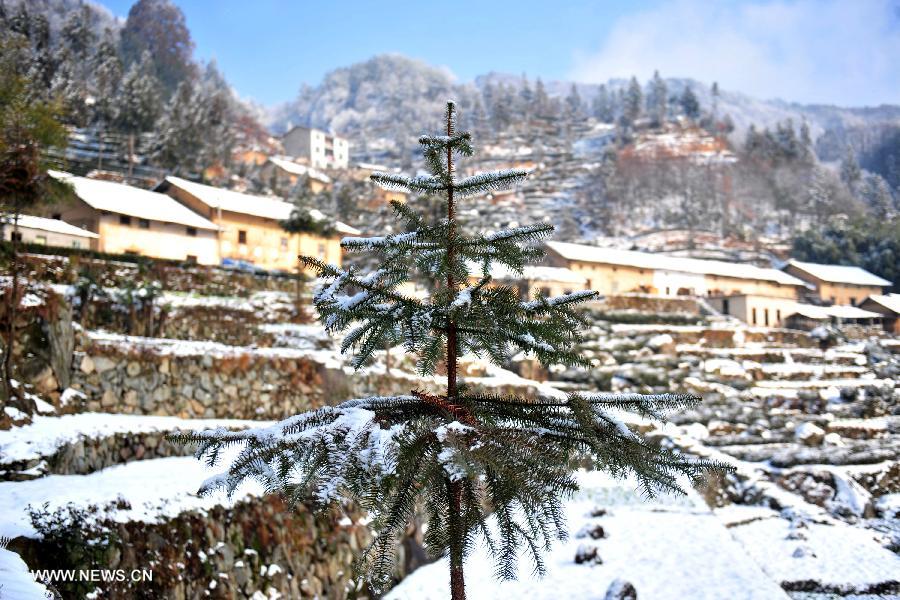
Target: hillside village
[163,293]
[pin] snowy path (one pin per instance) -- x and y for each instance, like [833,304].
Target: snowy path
[670,548]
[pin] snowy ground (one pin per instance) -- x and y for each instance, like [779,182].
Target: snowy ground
[151,490]
[668,548]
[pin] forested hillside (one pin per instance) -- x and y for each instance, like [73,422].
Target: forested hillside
[132,82]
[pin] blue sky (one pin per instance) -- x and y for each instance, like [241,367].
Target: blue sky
[828,51]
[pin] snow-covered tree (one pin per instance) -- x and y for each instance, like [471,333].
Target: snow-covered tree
[633,100]
[657,100]
[602,106]
[574,104]
[689,104]
[107,69]
[462,456]
[851,174]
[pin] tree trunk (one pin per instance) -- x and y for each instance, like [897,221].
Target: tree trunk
[130,155]
[457,534]
[454,488]
[12,305]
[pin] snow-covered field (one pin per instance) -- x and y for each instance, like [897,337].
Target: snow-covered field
[669,548]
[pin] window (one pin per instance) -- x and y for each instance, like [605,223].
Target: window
[191,259]
[284,243]
[778,315]
[192,231]
[124,220]
[852,301]
[725,306]
[766,317]
[15,236]
[76,244]
[545,291]
[753,316]
[40,239]
[242,236]
[144,223]
[57,216]
[322,251]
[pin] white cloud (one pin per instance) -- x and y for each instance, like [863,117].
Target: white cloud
[827,51]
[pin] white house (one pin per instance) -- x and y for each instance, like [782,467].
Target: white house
[50,232]
[321,149]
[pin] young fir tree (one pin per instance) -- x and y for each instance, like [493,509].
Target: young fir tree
[461,456]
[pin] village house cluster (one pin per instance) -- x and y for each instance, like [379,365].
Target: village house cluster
[193,222]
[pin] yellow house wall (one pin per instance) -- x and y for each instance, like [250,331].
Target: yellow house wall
[325,249]
[610,279]
[846,293]
[718,285]
[615,279]
[161,240]
[836,293]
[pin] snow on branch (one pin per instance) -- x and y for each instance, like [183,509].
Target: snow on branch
[527,231]
[422,183]
[543,304]
[328,448]
[490,181]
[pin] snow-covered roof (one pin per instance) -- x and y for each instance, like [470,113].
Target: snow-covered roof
[823,313]
[662,262]
[840,273]
[266,207]
[888,301]
[51,225]
[298,169]
[131,201]
[246,204]
[537,273]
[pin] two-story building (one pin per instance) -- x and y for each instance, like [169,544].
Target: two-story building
[131,220]
[612,271]
[322,150]
[250,226]
[838,284]
[757,295]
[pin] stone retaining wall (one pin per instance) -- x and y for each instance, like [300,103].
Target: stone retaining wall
[198,279]
[88,455]
[240,383]
[259,545]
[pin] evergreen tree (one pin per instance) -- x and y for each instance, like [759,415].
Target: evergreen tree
[526,98]
[574,105]
[107,69]
[179,138]
[541,100]
[633,101]
[657,100]
[158,27]
[602,105]
[461,456]
[138,103]
[850,171]
[689,104]
[877,196]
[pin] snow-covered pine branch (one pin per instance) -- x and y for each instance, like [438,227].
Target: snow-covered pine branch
[487,182]
[421,183]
